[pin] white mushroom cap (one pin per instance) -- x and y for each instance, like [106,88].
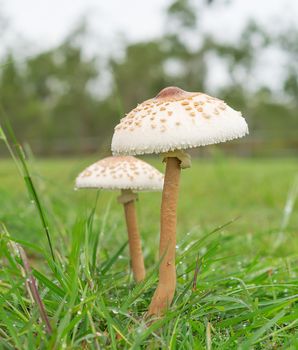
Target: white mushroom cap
[121,173]
[177,120]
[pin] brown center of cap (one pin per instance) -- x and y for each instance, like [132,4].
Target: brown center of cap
[171,92]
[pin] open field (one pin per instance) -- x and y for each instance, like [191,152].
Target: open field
[247,286]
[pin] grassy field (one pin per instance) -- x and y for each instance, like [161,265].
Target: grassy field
[246,292]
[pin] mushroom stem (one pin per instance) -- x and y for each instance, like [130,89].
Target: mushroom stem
[165,291]
[134,240]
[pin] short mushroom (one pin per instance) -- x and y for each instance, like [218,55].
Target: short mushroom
[172,122]
[129,175]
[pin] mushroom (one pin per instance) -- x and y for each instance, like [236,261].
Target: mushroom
[170,123]
[129,175]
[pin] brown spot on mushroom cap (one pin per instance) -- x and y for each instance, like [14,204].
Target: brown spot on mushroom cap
[168,92]
[206,116]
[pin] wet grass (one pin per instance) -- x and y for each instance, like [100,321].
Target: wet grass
[237,258]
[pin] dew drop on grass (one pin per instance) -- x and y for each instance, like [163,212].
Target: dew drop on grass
[203,250]
[82,299]
[79,312]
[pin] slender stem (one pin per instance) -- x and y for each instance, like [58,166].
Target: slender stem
[165,291]
[134,240]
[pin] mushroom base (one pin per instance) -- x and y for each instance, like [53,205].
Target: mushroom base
[165,291]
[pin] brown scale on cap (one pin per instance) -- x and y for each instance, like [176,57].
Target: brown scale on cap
[206,116]
[172,92]
[87,173]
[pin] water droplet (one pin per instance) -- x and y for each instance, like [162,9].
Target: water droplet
[79,312]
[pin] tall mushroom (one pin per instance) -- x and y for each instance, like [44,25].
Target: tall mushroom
[168,124]
[129,175]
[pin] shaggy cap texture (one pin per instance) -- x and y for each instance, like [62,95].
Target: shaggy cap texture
[121,173]
[177,120]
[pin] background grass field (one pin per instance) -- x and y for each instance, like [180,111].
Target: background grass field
[247,287]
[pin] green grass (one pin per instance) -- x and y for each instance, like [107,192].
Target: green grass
[247,285]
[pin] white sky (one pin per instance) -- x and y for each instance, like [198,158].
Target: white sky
[44,23]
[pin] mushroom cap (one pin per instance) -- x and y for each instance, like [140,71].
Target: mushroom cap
[121,173]
[177,120]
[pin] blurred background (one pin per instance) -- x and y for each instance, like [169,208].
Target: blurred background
[70,69]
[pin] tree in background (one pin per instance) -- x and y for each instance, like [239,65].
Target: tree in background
[54,98]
